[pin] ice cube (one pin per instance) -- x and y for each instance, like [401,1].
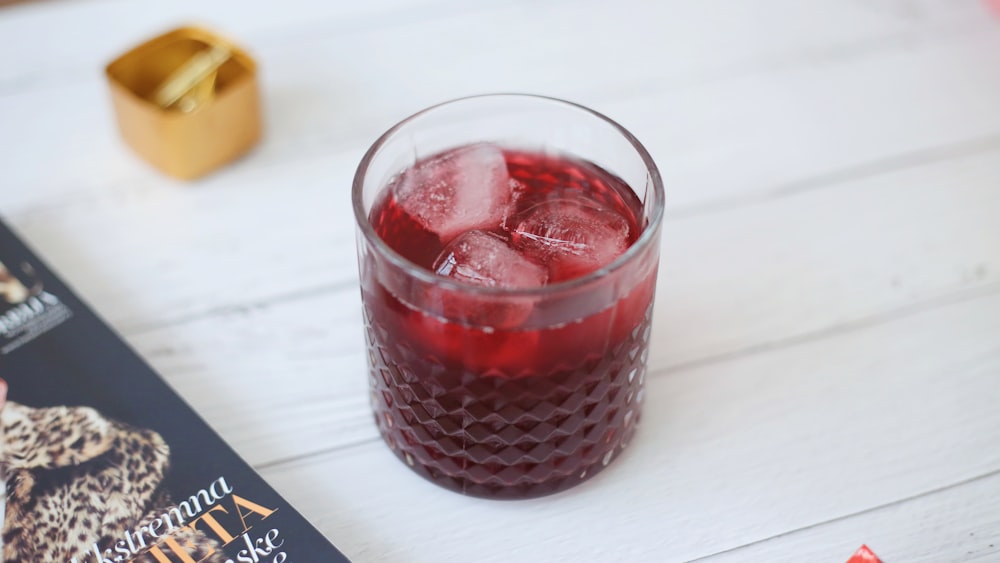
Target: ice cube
[485,259]
[481,258]
[460,190]
[572,237]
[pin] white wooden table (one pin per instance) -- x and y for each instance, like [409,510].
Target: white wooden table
[826,357]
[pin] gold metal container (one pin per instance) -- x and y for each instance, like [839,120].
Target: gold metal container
[186,101]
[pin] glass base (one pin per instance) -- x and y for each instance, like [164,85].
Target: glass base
[495,436]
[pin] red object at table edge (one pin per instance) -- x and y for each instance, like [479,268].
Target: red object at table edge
[864,555]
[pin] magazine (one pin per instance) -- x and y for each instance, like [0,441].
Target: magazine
[102,462]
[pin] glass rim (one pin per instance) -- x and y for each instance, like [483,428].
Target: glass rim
[646,237]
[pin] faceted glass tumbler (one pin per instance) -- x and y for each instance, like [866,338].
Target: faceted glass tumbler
[508,411]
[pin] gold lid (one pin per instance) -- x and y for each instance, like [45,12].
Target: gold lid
[186,101]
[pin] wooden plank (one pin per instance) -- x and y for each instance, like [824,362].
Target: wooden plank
[959,522]
[728,455]
[758,274]
[802,127]
[97,30]
[91,33]
[732,284]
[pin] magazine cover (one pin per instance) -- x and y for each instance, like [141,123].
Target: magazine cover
[102,462]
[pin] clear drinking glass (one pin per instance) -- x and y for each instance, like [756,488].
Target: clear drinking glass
[508,392]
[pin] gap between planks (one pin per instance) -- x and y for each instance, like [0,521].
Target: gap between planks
[302,294]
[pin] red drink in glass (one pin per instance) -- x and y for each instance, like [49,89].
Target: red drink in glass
[507,295]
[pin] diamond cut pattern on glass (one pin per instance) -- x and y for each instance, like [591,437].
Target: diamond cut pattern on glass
[498,436]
